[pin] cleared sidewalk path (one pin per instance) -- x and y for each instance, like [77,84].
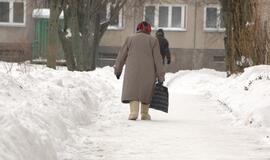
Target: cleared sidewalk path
[195,129]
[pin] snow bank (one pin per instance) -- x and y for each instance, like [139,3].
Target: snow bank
[43,110]
[195,82]
[246,96]
[45,114]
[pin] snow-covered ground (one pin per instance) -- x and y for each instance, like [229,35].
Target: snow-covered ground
[246,96]
[60,115]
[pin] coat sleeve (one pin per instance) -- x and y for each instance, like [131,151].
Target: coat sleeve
[158,61]
[121,58]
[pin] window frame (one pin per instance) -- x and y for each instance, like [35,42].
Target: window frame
[11,21]
[184,9]
[218,28]
[121,23]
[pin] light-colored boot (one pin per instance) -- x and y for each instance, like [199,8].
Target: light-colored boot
[144,112]
[134,110]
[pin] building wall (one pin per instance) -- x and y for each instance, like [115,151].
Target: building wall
[116,37]
[194,48]
[207,39]
[16,41]
[190,49]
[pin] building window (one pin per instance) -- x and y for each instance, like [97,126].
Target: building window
[18,12]
[150,14]
[213,21]
[168,17]
[4,11]
[117,23]
[163,18]
[12,12]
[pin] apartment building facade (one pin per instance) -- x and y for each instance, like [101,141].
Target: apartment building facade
[194,29]
[16,30]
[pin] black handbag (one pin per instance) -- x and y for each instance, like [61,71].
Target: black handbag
[160,99]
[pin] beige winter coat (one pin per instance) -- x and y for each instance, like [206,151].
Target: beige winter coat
[143,60]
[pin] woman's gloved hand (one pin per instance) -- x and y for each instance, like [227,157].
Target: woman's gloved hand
[160,82]
[117,75]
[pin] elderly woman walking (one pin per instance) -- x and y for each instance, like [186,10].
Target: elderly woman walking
[141,54]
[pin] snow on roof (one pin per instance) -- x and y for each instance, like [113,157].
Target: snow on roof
[44,13]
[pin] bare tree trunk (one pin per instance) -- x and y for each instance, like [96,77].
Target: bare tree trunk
[52,34]
[226,17]
[66,45]
[65,40]
[83,30]
[246,43]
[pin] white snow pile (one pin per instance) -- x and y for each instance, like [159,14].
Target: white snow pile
[46,114]
[43,110]
[246,96]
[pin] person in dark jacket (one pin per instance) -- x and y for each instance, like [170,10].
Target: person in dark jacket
[164,46]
